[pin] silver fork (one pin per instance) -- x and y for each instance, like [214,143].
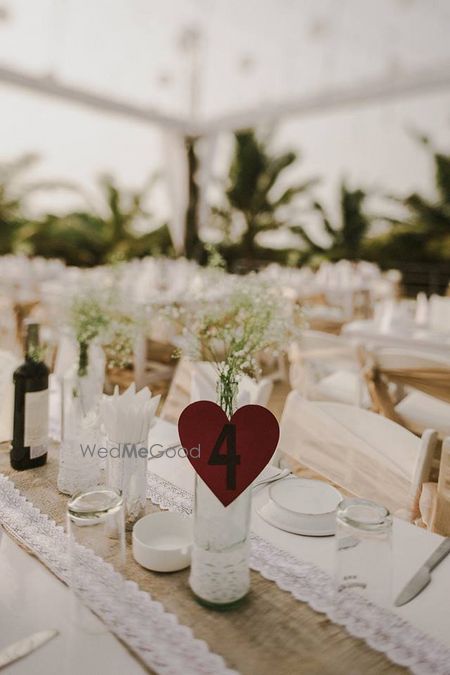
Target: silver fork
[271,479]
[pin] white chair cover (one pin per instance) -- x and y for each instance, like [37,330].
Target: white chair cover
[435,498]
[439,314]
[364,453]
[428,376]
[203,386]
[326,367]
[197,382]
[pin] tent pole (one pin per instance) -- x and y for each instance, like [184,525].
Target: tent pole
[193,245]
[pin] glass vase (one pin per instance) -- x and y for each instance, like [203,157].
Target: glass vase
[220,575]
[79,463]
[82,387]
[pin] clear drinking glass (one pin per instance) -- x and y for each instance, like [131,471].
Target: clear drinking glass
[126,472]
[96,528]
[363,551]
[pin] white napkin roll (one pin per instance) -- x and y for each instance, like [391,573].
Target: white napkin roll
[127,418]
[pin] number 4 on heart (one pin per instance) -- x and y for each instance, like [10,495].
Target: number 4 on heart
[229,458]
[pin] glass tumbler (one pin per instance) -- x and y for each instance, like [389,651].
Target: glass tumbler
[363,551]
[126,472]
[96,529]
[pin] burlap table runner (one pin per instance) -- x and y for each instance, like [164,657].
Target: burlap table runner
[272,633]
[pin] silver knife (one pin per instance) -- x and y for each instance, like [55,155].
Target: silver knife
[422,577]
[23,647]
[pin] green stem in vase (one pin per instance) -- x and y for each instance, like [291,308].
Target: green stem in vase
[83,358]
[227,389]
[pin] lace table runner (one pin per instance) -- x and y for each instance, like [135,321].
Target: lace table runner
[270,633]
[166,646]
[381,629]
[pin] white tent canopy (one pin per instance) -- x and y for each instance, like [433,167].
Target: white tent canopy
[198,67]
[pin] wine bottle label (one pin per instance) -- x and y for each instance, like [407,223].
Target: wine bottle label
[36,422]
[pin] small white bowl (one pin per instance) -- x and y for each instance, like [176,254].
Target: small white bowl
[162,541]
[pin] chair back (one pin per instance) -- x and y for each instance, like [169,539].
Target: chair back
[428,373]
[178,396]
[318,354]
[391,358]
[366,454]
[316,339]
[440,519]
[197,382]
[439,313]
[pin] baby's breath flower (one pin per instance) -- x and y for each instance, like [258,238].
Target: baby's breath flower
[250,317]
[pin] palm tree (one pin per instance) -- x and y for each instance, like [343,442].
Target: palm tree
[12,199]
[122,209]
[432,217]
[193,246]
[424,234]
[347,237]
[103,235]
[14,194]
[434,214]
[253,179]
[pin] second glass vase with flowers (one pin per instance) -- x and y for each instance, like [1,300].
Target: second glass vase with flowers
[82,387]
[104,332]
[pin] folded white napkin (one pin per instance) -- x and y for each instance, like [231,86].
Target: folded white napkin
[421,316]
[127,418]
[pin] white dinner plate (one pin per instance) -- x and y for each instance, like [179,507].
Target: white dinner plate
[302,506]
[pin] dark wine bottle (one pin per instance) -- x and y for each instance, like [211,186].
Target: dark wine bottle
[30,429]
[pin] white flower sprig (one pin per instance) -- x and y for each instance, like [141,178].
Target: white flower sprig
[103,317]
[119,340]
[88,320]
[251,317]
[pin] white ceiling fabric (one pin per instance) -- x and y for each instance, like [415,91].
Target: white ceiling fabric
[200,65]
[147,72]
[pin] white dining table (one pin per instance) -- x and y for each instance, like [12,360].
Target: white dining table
[33,599]
[430,611]
[407,336]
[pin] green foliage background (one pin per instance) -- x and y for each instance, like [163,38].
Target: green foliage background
[256,193]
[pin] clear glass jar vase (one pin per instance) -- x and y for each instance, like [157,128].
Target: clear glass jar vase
[220,575]
[82,387]
[79,463]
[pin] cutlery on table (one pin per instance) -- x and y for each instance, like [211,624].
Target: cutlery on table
[422,577]
[25,646]
[271,479]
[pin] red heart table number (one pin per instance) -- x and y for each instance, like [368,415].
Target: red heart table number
[228,454]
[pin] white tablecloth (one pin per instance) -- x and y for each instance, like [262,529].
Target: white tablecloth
[33,599]
[406,337]
[430,611]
